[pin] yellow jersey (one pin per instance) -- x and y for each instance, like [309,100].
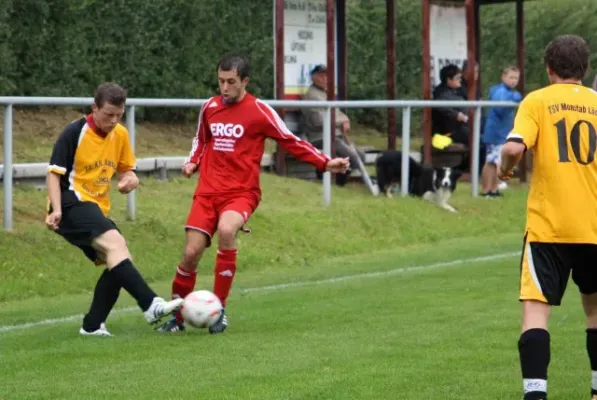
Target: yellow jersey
[87,159]
[559,124]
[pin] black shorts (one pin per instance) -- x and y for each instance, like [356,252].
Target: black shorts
[545,269]
[83,222]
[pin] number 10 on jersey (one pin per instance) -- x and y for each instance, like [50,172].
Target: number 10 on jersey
[574,135]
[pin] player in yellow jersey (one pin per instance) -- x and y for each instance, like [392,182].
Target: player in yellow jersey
[85,157]
[559,124]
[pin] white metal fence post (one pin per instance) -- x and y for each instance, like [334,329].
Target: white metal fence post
[327,149]
[476,149]
[405,151]
[7,167]
[130,126]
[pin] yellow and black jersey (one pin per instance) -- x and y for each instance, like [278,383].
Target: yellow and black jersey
[87,159]
[559,124]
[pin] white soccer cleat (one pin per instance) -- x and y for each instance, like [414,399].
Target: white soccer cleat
[102,331]
[159,308]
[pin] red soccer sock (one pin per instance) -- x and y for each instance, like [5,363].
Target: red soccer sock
[224,273]
[182,285]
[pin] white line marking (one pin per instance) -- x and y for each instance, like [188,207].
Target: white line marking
[396,271]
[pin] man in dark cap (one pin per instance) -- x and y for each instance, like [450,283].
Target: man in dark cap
[313,122]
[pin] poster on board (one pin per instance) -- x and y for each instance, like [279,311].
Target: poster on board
[447,37]
[305,44]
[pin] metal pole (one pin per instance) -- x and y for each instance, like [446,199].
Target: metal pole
[405,151]
[425,34]
[145,102]
[331,67]
[279,90]
[476,145]
[130,126]
[520,52]
[341,50]
[374,189]
[8,167]
[327,149]
[391,69]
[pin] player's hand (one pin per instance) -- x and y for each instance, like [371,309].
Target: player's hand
[338,165]
[128,183]
[189,169]
[53,220]
[505,175]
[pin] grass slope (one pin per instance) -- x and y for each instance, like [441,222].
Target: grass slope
[291,228]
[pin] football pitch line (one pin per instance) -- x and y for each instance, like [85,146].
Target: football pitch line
[342,278]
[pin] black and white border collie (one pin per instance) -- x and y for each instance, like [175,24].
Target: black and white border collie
[431,184]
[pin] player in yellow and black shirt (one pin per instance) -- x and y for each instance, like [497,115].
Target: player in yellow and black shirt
[559,124]
[85,158]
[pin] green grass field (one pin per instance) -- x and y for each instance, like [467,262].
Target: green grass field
[370,298]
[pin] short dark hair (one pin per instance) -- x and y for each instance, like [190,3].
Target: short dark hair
[448,72]
[109,92]
[510,68]
[235,62]
[567,56]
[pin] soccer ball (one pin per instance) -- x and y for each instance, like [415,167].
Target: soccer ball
[201,309]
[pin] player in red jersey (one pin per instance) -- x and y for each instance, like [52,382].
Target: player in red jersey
[227,150]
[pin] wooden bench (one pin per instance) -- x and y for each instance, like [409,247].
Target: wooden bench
[294,167]
[451,156]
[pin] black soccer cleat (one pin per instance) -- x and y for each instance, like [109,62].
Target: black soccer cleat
[220,325]
[172,325]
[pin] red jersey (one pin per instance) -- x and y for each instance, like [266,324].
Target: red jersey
[230,140]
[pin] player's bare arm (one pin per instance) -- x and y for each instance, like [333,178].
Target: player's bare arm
[53,185]
[512,153]
[127,182]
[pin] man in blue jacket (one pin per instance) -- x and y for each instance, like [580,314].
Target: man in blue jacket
[499,123]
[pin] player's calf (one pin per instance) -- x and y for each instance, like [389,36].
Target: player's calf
[224,273]
[186,272]
[534,349]
[228,226]
[182,284]
[105,295]
[123,271]
[592,352]
[589,302]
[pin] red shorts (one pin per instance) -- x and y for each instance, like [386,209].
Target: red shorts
[207,210]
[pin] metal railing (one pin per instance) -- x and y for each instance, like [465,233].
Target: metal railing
[406,105]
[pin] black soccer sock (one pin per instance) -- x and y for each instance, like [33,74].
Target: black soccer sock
[592,351]
[105,296]
[534,351]
[132,281]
